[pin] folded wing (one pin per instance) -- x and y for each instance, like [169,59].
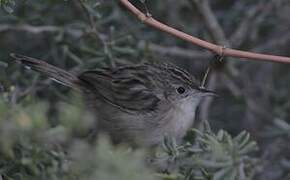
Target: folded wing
[129,88]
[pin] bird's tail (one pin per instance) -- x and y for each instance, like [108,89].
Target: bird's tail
[57,74]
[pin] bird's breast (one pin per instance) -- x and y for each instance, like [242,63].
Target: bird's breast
[179,119]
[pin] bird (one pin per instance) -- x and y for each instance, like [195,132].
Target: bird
[137,104]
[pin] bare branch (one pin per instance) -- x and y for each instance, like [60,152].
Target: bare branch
[212,47]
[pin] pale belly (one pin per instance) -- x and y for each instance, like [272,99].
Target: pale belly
[181,121]
[176,123]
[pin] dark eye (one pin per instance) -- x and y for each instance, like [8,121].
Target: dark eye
[180,90]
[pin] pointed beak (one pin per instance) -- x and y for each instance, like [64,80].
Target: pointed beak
[206,92]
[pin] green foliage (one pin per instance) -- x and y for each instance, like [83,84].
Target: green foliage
[30,149]
[211,156]
[7,5]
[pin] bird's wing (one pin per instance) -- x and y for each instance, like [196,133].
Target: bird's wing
[127,87]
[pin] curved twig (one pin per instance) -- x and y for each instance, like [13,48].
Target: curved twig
[212,47]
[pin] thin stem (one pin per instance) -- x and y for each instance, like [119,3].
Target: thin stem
[210,46]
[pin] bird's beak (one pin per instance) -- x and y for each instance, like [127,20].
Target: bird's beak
[206,92]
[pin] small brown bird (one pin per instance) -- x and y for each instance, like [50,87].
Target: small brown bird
[136,104]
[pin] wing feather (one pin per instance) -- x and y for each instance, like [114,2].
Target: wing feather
[125,87]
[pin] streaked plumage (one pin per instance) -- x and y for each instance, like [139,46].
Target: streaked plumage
[139,104]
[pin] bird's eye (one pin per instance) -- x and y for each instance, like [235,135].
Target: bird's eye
[180,90]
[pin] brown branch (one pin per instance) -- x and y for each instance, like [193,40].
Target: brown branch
[214,28]
[212,47]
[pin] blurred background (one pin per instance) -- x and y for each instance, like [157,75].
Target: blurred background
[79,35]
